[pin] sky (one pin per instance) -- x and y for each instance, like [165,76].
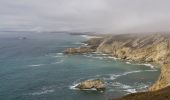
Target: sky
[116,16]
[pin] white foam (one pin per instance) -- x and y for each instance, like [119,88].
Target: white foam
[124,87]
[109,57]
[58,62]
[120,85]
[113,76]
[44,91]
[89,37]
[131,72]
[130,90]
[73,87]
[36,65]
[97,57]
[88,55]
[80,43]
[149,65]
[128,63]
[58,55]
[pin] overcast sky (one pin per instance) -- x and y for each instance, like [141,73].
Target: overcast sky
[85,15]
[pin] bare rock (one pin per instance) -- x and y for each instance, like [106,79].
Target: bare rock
[78,50]
[92,84]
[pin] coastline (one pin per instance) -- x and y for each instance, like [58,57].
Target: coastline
[138,53]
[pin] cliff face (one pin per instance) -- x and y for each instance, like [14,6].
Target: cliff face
[136,47]
[164,79]
[143,48]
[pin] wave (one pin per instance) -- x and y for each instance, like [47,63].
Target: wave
[44,91]
[130,90]
[117,84]
[73,87]
[149,65]
[92,56]
[58,62]
[122,87]
[89,37]
[57,55]
[112,77]
[145,64]
[100,56]
[131,72]
[128,62]
[80,43]
[36,65]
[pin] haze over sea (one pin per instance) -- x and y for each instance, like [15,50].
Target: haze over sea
[33,67]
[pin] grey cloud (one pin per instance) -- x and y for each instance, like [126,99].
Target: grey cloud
[86,15]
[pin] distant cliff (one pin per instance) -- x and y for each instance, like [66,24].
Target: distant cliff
[151,48]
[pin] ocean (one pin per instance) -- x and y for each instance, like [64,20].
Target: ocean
[33,67]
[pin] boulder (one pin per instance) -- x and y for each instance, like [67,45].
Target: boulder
[92,84]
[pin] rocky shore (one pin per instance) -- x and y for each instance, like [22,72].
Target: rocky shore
[150,48]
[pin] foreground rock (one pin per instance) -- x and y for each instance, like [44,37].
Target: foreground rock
[91,84]
[163,94]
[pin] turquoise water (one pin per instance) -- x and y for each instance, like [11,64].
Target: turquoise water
[34,68]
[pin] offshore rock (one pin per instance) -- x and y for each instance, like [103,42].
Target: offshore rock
[91,84]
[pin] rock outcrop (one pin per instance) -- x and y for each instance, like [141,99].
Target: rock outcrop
[164,79]
[152,48]
[91,84]
[91,46]
[163,94]
[78,50]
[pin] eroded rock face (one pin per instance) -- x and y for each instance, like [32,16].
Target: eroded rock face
[92,84]
[142,48]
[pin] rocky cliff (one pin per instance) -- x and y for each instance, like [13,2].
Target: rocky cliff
[153,48]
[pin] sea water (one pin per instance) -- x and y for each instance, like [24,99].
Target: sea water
[33,67]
